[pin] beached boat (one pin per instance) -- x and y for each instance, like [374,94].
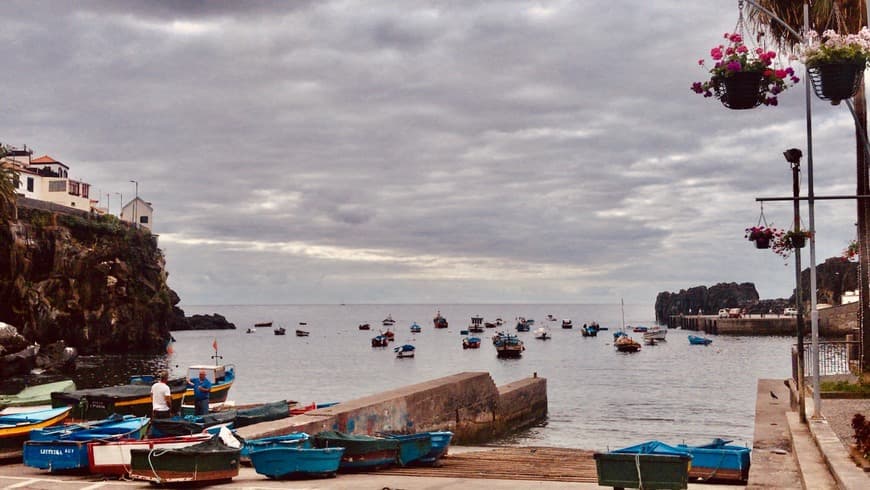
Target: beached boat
[293,439]
[440,441]
[130,399]
[542,333]
[280,331]
[649,465]
[380,341]
[416,328]
[214,460]
[718,462]
[364,326]
[181,425]
[624,343]
[567,323]
[113,457]
[508,345]
[412,447]
[65,447]
[35,395]
[293,462]
[406,350]
[489,325]
[697,340]
[388,321]
[361,452]
[471,343]
[439,321]
[263,324]
[15,428]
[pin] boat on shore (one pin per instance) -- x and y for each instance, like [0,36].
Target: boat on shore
[212,461]
[649,465]
[113,457]
[15,428]
[302,333]
[719,462]
[296,461]
[33,396]
[361,452]
[412,447]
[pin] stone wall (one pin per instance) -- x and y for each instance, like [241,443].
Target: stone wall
[468,404]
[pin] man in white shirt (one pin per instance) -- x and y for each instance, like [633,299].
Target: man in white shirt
[161,398]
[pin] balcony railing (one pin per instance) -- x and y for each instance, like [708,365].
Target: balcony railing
[835,357]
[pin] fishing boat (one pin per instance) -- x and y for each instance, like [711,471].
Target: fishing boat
[263,324]
[471,343]
[551,318]
[640,329]
[440,441]
[439,321]
[32,396]
[294,462]
[130,399]
[649,465]
[523,325]
[293,439]
[251,330]
[390,335]
[416,328]
[15,428]
[302,333]
[364,326]
[566,323]
[697,340]
[542,333]
[489,325]
[280,331]
[498,322]
[221,377]
[412,447]
[719,462]
[624,343]
[656,333]
[380,341]
[476,324]
[65,447]
[388,321]
[113,457]
[361,452]
[214,460]
[509,346]
[406,350]
[589,331]
[182,425]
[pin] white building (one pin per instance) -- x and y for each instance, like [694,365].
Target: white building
[47,179]
[138,212]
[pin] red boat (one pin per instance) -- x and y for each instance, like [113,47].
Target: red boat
[439,321]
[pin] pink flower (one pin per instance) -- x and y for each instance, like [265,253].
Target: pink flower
[716,53]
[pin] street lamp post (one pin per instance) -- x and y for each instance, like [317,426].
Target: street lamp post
[108,203]
[136,205]
[121,209]
[793,156]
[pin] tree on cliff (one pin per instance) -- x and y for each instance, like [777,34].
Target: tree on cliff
[823,15]
[8,199]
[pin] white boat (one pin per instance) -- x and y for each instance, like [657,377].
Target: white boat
[543,334]
[113,457]
[656,333]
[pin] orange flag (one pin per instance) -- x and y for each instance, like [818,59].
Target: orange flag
[214,344]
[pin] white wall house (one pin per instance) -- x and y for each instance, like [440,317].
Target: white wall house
[138,211]
[47,179]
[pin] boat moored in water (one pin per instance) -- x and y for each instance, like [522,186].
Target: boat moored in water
[698,340]
[439,321]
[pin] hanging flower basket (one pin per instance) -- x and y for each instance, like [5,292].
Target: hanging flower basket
[798,241]
[762,235]
[762,242]
[786,243]
[741,90]
[836,81]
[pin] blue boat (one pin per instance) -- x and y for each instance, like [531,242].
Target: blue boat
[650,465]
[15,427]
[65,447]
[293,461]
[696,340]
[294,439]
[416,328]
[719,462]
[361,452]
[406,350]
[412,447]
[440,442]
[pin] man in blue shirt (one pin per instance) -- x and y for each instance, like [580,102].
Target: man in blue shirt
[201,390]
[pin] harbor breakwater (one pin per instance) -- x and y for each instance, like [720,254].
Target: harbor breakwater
[837,321]
[468,404]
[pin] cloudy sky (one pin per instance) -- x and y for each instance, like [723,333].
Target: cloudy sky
[421,151]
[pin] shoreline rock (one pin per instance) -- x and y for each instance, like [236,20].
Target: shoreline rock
[214,321]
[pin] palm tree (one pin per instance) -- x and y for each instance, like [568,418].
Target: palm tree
[8,199]
[851,16]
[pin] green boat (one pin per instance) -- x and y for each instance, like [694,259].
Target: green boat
[651,465]
[212,461]
[36,395]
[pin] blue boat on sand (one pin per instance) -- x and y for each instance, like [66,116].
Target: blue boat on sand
[15,428]
[424,448]
[291,461]
[65,447]
[361,452]
[293,439]
[696,340]
[718,462]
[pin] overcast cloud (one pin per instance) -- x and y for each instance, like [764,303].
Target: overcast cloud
[421,151]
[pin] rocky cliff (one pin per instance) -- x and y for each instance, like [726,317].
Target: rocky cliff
[833,277]
[91,281]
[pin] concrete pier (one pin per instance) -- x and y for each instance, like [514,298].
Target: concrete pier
[833,322]
[468,404]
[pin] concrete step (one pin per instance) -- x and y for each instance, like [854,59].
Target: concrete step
[814,472]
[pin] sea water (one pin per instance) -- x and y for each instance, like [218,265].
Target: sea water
[598,398]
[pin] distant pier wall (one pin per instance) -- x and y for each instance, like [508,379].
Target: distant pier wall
[834,322]
[468,404]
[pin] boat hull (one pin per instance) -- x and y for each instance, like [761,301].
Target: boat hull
[15,429]
[440,441]
[412,447]
[655,470]
[177,466]
[361,452]
[719,463]
[113,458]
[289,462]
[66,447]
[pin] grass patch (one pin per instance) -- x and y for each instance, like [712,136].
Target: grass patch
[845,386]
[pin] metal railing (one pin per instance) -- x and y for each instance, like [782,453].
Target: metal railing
[835,357]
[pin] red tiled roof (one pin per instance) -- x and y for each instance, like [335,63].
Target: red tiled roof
[45,159]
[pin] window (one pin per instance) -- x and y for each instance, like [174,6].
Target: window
[30,184]
[57,186]
[74,188]
[143,220]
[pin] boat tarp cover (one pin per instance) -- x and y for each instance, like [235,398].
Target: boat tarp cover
[189,424]
[264,413]
[354,444]
[123,391]
[37,394]
[652,447]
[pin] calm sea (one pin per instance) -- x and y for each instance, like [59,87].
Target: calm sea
[598,398]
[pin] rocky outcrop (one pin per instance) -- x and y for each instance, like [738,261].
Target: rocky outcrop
[90,281]
[833,277]
[207,322]
[18,356]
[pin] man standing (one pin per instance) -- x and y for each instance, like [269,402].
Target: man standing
[201,390]
[161,398]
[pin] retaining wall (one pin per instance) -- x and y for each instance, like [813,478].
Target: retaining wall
[468,404]
[833,322]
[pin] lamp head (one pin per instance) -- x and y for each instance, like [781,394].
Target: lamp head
[793,155]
